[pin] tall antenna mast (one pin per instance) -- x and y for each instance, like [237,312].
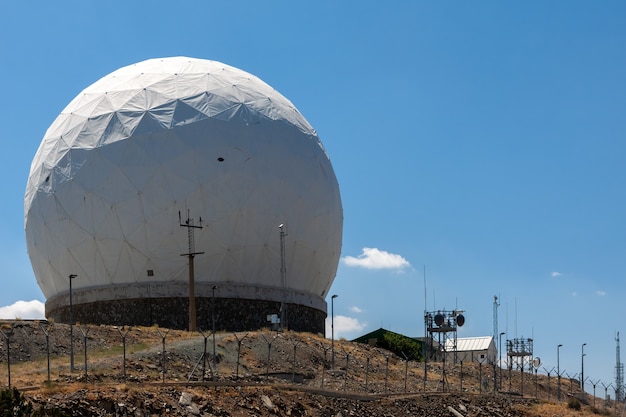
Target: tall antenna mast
[496,304]
[515,317]
[426,345]
[425,305]
[619,373]
[189,224]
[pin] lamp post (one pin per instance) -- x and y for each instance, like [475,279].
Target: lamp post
[500,351]
[213,324]
[283,277]
[558,372]
[71,277]
[332,329]
[582,369]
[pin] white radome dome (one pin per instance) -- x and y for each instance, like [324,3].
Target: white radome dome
[186,135]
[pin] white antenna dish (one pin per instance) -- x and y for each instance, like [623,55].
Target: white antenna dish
[536,362]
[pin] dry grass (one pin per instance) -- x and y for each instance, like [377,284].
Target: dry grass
[545,409]
[367,365]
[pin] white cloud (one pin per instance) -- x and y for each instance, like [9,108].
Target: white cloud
[344,325]
[355,309]
[555,274]
[28,310]
[601,293]
[373,258]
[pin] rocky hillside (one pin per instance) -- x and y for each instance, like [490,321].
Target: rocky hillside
[152,371]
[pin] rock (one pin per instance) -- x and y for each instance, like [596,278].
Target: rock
[453,411]
[193,409]
[267,402]
[186,399]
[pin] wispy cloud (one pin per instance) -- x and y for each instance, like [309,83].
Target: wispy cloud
[28,310]
[344,325]
[601,293]
[373,258]
[356,309]
[556,274]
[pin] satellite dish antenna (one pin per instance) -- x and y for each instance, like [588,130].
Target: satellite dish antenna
[536,362]
[460,320]
[439,319]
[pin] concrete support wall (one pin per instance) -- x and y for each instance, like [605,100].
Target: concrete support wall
[232,314]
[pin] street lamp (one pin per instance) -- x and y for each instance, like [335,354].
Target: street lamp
[582,369]
[71,277]
[283,277]
[213,326]
[332,329]
[500,351]
[558,372]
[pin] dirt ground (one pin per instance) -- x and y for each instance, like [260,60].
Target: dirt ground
[298,379]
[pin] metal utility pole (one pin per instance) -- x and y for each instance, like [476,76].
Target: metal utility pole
[619,373]
[332,330]
[283,277]
[71,277]
[500,353]
[582,369]
[189,224]
[558,371]
[213,325]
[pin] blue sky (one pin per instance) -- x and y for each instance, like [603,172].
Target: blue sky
[480,142]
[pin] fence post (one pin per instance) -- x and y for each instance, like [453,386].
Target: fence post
[45,332]
[480,377]
[239,342]
[594,391]
[406,368]
[8,341]
[84,346]
[269,352]
[123,334]
[547,373]
[367,373]
[571,383]
[293,366]
[324,363]
[203,357]
[345,375]
[495,379]
[386,372]
[163,335]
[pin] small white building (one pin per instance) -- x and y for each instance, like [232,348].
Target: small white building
[472,349]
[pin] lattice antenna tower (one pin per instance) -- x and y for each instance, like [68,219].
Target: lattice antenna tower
[619,373]
[444,323]
[519,351]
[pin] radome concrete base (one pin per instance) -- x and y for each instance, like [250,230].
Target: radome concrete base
[231,314]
